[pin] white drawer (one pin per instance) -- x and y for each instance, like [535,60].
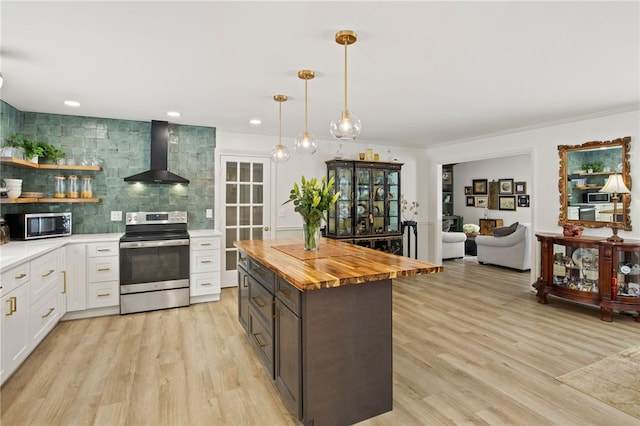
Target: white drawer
[13,278]
[102,269]
[204,284]
[45,274]
[205,261]
[103,249]
[44,316]
[100,295]
[207,243]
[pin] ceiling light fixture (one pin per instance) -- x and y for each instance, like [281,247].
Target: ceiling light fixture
[306,142]
[280,153]
[255,122]
[74,104]
[1,79]
[347,127]
[173,114]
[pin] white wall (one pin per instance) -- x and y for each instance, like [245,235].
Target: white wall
[516,167]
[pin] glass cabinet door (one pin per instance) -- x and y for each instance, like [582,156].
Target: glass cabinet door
[575,268]
[628,274]
[364,211]
[340,214]
[393,214]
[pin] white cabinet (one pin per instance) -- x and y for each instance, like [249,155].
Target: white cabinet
[604,211]
[103,275]
[14,308]
[205,268]
[46,285]
[75,274]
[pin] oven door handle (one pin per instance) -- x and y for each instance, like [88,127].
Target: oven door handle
[148,244]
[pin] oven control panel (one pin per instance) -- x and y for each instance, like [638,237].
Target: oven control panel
[146,218]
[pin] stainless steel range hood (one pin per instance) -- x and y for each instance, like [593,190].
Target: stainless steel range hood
[159,172]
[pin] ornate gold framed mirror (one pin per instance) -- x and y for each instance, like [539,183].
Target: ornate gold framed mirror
[584,171]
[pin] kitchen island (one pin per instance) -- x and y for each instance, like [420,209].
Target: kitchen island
[321,323]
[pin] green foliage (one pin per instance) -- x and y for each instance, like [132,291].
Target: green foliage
[313,198]
[35,148]
[596,166]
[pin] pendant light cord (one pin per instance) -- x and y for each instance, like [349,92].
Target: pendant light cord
[345,74]
[306,131]
[280,126]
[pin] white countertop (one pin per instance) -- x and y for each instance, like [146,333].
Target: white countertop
[17,252]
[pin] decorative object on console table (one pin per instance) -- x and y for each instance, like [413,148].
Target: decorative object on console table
[615,185]
[487,225]
[312,200]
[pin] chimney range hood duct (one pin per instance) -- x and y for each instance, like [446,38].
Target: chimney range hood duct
[159,154]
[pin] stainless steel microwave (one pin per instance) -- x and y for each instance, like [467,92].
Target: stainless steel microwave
[597,197]
[31,226]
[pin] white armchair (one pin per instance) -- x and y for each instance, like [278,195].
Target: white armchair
[453,245]
[511,251]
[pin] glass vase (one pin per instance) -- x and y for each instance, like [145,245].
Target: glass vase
[311,232]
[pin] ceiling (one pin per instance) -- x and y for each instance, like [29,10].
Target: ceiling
[420,74]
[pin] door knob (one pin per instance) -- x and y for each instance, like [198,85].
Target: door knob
[266,228]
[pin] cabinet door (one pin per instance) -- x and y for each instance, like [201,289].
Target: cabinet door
[364,210]
[341,213]
[288,356]
[392,191]
[14,308]
[76,277]
[243,296]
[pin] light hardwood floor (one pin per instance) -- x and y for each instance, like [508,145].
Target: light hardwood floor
[471,346]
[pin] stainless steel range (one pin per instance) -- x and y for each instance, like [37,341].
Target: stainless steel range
[154,262]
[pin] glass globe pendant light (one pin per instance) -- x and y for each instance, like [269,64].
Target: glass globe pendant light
[280,153]
[347,126]
[305,142]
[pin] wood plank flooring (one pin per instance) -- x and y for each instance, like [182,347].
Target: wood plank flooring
[471,346]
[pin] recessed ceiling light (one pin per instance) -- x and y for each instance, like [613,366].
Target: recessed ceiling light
[255,122]
[173,114]
[74,104]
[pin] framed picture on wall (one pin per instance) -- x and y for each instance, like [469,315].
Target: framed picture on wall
[468,190]
[505,186]
[482,201]
[493,195]
[479,187]
[471,201]
[523,201]
[521,187]
[507,202]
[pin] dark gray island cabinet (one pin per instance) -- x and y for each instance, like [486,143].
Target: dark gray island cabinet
[321,324]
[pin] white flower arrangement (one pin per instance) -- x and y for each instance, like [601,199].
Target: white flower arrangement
[470,228]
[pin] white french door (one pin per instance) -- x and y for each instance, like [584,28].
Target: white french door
[246,207]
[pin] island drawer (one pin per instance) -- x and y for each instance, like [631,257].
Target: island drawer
[266,277]
[261,339]
[288,294]
[262,301]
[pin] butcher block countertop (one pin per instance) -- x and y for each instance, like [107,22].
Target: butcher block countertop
[334,264]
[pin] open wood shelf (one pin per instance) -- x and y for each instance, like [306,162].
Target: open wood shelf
[28,164]
[24,200]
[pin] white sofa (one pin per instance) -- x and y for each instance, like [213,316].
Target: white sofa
[453,245]
[511,251]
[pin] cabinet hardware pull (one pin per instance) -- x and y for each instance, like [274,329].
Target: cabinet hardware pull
[205,284]
[257,302]
[255,336]
[64,282]
[15,303]
[259,272]
[284,292]
[103,250]
[242,258]
[104,294]
[205,244]
[11,311]
[103,269]
[205,261]
[51,271]
[20,276]
[245,278]
[48,313]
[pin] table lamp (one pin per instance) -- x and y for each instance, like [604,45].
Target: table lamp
[615,185]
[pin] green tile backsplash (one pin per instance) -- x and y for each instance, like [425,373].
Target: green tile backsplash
[123,147]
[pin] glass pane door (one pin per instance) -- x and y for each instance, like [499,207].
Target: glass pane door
[364,217]
[246,214]
[393,183]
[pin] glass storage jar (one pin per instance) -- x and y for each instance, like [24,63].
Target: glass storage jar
[87,187]
[60,190]
[72,190]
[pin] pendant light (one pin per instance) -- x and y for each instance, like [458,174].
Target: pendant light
[305,142]
[347,127]
[280,153]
